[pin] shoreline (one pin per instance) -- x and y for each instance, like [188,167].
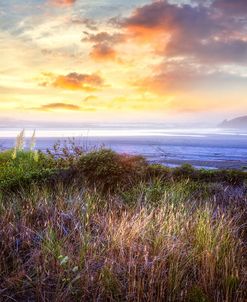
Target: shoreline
[202,164]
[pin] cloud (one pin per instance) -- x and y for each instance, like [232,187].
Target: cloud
[170,18]
[63,2]
[103,51]
[63,107]
[74,81]
[59,106]
[211,51]
[104,37]
[201,32]
[89,23]
[231,7]
[103,45]
[179,76]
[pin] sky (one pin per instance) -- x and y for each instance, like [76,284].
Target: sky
[115,61]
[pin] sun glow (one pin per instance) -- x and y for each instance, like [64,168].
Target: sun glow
[151,60]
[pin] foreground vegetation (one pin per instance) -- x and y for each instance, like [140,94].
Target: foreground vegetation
[99,226]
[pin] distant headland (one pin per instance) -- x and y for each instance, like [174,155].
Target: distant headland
[237,123]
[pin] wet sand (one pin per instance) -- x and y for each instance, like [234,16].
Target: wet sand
[239,165]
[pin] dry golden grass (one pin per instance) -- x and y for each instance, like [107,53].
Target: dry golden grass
[67,244]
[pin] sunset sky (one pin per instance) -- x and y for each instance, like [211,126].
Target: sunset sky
[118,60]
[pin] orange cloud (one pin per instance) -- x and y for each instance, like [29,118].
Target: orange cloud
[103,51]
[74,81]
[151,21]
[58,106]
[103,37]
[148,35]
[63,2]
[104,43]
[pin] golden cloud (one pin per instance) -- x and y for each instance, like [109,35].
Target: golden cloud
[74,81]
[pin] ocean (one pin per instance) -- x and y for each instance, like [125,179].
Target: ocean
[209,148]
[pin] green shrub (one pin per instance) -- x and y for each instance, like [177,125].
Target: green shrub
[158,171]
[24,168]
[5,156]
[185,171]
[109,169]
[228,176]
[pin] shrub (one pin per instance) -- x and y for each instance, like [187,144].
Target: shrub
[185,171]
[24,168]
[109,169]
[158,171]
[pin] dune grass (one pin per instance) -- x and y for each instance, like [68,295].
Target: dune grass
[100,226]
[76,245]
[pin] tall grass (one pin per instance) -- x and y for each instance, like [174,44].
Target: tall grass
[74,244]
[111,227]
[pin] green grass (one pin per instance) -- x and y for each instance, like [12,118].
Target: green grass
[23,168]
[100,226]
